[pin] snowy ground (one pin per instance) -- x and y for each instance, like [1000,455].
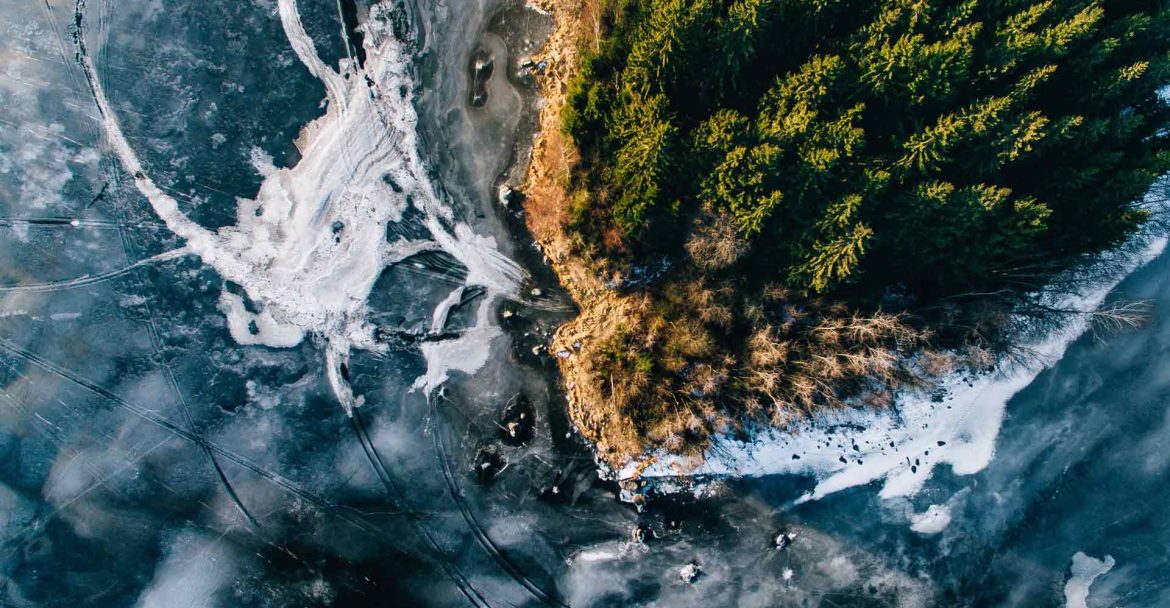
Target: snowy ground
[901,446]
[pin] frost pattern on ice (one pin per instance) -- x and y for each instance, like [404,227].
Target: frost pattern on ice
[309,247]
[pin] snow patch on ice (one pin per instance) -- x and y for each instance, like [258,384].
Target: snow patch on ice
[467,353]
[131,300]
[251,328]
[309,247]
[604,553]
[1083,572]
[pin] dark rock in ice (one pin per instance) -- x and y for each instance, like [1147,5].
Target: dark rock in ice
[783,539]
[518,421]
[642,533]
[634,491]
[489,464]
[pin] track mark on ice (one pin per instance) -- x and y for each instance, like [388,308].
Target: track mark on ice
[156,346]
[177,430]
[74,223]
[476,528]
[93,279]
[1083,572]
[395,493]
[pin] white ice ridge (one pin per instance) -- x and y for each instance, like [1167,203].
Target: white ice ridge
[310,245]
[854,447]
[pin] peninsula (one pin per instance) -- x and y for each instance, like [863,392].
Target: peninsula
[766,208]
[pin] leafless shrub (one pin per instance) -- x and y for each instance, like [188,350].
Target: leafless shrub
[715,244]
[1117,317]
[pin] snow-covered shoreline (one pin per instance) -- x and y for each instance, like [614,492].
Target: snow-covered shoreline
[902,446]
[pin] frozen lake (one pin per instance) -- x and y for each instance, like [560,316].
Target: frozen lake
[225,224]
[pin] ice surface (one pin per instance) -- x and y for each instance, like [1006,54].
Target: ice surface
[309,247]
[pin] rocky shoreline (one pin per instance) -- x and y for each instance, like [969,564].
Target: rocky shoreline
[545,206]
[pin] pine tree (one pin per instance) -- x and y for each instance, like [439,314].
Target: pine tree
[926,142]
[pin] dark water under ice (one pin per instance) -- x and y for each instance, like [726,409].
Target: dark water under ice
[146,459]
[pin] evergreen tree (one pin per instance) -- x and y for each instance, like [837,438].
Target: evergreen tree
[926,142]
